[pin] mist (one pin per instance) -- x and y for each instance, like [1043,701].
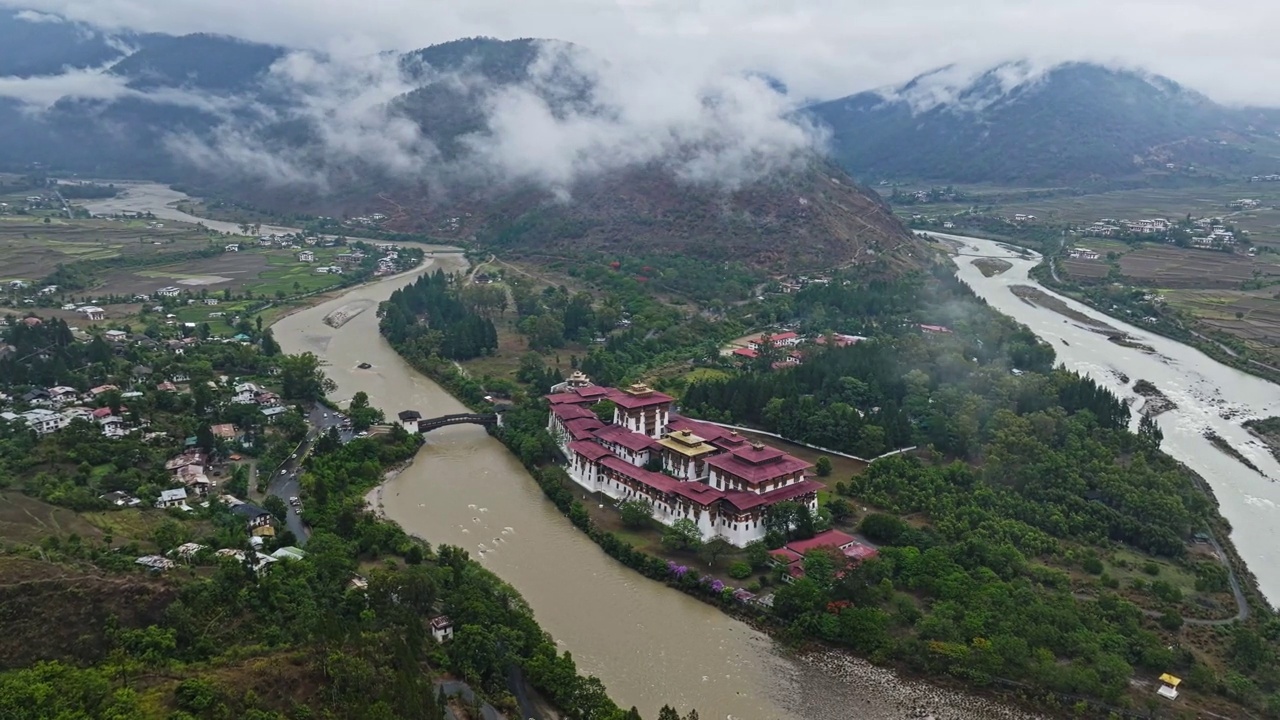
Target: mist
[577,115]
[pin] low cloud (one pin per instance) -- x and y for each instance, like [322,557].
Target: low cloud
[574,117]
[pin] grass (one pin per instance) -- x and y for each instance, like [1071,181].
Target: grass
[26,520]
[126,523]
[1127,566]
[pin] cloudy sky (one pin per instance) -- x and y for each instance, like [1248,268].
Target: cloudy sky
[820,48]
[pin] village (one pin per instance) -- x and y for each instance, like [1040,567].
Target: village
[1207,233]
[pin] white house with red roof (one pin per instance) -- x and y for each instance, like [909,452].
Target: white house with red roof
[779,340]
[710,475]
[791,556]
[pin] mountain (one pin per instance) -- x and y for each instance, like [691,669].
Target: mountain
[416,137]
[1071,123]
[813,217]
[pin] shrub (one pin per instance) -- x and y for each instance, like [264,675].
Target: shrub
[740,570]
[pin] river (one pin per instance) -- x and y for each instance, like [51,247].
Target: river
[1208,394]
[651,645]
[160,200]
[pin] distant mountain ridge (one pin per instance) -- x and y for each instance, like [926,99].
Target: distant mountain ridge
[1070,123]
[206,88]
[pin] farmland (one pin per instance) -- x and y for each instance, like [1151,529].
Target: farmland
[33,249]
[1171,267]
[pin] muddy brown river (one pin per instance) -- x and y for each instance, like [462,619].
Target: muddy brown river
[649,644]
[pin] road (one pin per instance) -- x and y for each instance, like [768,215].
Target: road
[284,482]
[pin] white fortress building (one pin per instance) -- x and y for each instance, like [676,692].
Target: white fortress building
[709,474]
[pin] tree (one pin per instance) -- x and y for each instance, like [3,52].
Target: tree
[274,505]
[636,513]
[683,534]
[823,466]
[302,379]
[362,415]
[713,550]
[604,410]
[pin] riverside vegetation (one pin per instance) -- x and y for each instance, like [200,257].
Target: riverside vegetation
[1009,545]
[90,635]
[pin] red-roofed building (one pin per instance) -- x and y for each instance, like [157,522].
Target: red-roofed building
[936,329]
[747,353]
[791,556]
[612,459]
[642,409]
[786,339]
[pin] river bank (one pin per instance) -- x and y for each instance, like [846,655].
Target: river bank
[1208,395]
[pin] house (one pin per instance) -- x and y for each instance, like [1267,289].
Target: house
[791,555]
[246,393]
[253,515]
[169,291]
[60,395]
[232,247]
[167,386]
[329,270]
[43,421]
[288,553]
[225,431]
[156,562]
[746,353]
[37,397]
[102,389]
[119,498]
[780,340]
[935,329]
[1169,686]
[1084,254]
[306,256]
[172,498]
[711,475]
[441,628]
[93,313]
[272,412]
[267,399]
[32,322]
[409,420]
[211,301]
[948,225]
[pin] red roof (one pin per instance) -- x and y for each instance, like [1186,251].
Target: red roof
[746,353]
[697,492]
[572,412]
[744,501]
[786,556]
[757,464]
[935,328]
[619,435]
[571,398]
[590,450]
[635,402]
[779,337]
[102,412]
[583,428]
[657,481]
[830,538]
[860,552]
[592,391]
[704,430]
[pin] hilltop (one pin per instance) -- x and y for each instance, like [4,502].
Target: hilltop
[429,147]
[1071,123]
